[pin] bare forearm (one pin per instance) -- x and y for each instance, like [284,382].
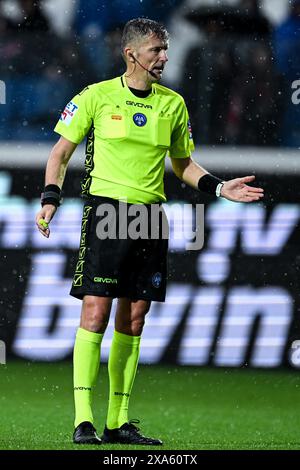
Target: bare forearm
[192,174]
[56,169]
[58,162]
[189,172]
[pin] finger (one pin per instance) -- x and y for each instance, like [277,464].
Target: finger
[39,226]
[43,228]
[254,194]
[253,189]
[48,218]
[251,198]
[247,179]
[44,233]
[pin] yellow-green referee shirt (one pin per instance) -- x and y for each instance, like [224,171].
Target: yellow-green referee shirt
[127,138]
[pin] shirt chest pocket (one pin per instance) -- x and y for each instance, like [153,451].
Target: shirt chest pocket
[162,132]
[114,124]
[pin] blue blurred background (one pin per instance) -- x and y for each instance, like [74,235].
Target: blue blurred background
[234,61]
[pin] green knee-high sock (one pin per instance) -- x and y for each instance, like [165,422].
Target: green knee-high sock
[122,365]
[86,360]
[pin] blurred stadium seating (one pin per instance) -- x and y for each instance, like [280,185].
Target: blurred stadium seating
[235,77]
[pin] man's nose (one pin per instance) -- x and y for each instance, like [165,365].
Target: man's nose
[163,56]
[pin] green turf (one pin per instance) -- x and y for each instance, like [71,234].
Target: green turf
[188,408]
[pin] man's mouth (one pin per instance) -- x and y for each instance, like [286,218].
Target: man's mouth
[158,70]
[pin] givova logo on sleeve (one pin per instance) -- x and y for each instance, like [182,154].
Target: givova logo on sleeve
[68,113]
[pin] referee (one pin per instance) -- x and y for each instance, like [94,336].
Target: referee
[130,123]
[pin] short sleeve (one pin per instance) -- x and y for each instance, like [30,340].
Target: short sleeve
[182,144]
[77,117]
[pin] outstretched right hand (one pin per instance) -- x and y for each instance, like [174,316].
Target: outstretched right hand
[43,218]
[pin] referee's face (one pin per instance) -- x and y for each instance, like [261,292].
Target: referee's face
[152,54]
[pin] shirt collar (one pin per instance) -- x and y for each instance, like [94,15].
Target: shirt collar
[125,86]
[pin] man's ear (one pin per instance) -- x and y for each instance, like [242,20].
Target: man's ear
[129,55]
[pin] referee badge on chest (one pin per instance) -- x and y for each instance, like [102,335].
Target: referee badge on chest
[113,123]
[139,119]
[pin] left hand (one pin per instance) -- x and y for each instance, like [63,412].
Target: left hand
[237,190]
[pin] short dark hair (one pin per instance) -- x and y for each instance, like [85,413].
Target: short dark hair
[142,27]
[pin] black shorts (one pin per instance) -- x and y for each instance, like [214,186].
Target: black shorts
[118,265]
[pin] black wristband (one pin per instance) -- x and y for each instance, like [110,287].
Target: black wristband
[208,183]
[51,195]
[53,187]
